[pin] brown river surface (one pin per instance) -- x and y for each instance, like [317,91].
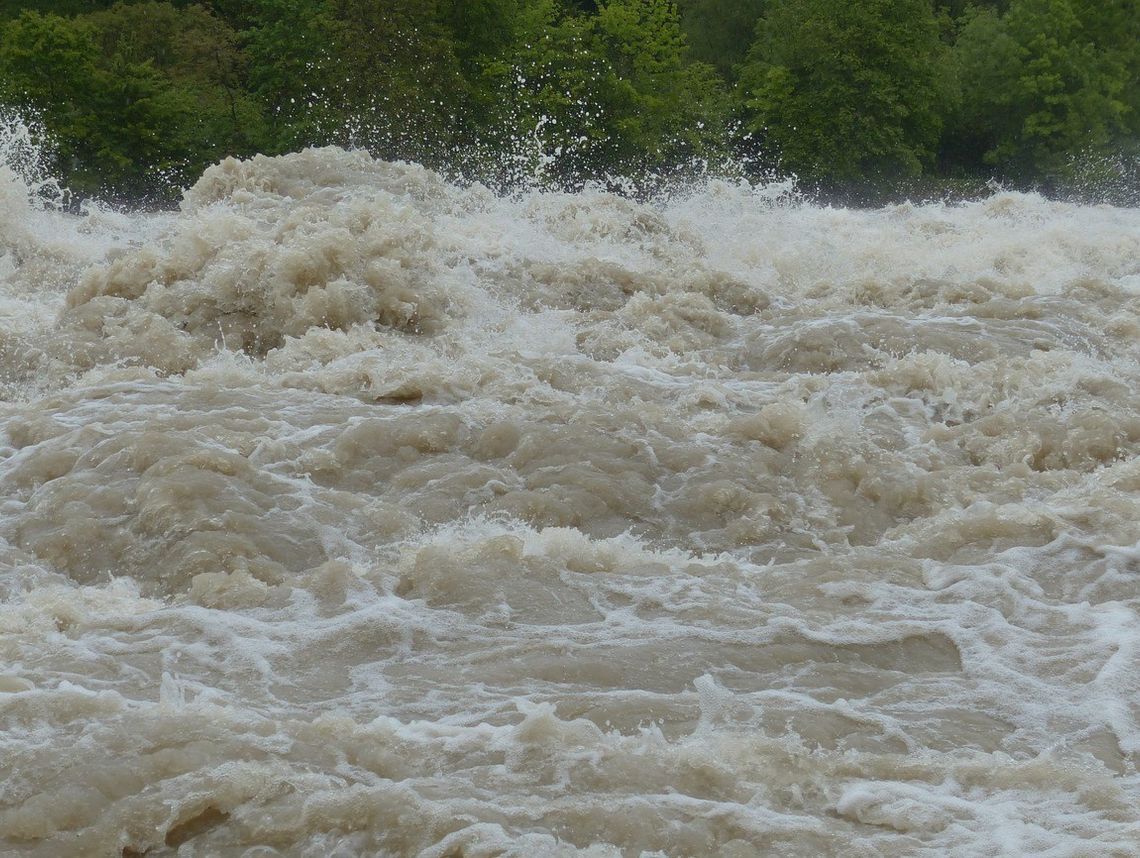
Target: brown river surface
[349,512]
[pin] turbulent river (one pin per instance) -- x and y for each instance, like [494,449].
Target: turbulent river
[346,511]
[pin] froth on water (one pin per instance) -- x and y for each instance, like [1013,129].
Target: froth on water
[351,512]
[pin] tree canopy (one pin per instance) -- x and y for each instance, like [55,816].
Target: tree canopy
[1045,82]
[846,90]
[139,96]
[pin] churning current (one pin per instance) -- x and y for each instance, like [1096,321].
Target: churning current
[346,511]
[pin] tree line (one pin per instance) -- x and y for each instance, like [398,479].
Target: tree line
[855,97]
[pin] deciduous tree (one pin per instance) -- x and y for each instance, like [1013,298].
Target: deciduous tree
[846,90]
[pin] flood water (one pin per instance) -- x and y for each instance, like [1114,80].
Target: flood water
[347,511]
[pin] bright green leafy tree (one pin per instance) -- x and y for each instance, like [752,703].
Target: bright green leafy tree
[846,90]
[139,95]
[615,91]
[290,46]
[196,56]
[1044,82]
[110,118]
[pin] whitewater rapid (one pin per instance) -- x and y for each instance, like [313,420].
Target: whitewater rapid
[346,511]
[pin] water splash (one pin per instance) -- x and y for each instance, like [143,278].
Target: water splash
[25,158]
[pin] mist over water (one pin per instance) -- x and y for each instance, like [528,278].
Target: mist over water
[347,511]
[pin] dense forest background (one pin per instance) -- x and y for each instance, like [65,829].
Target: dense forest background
[860,99]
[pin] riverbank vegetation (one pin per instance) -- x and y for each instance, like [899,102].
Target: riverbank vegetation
[861,99]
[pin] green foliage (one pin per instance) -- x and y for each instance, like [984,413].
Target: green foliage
[846,90]
[140,95]
[719,31]
[66,8]
[661,106]
[483,30]
[381,75]
[102,114]
[403,97]
[1039,85]
[290,49]
[137,97]
[197,55]
[615,92]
